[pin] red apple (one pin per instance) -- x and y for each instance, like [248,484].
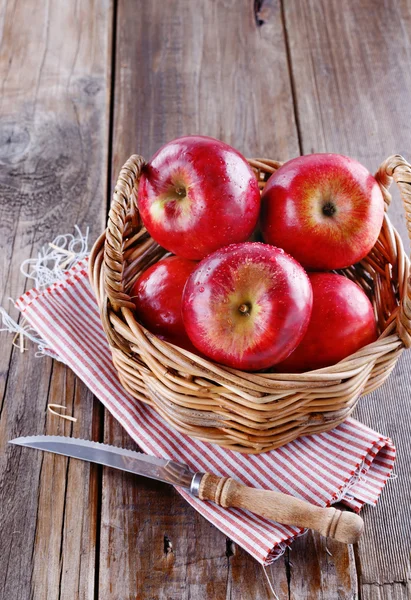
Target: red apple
[196,195]
[157,295]
[326,210]
[247,305]
[342,321]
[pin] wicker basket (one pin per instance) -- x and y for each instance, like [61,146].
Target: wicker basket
[247,412]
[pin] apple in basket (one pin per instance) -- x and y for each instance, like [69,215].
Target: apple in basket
[247,305]
[326,210]
[198,194]
[157,296]
[342,321]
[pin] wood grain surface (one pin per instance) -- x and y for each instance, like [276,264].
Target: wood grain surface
[83,86]
[55,60]
[352,92]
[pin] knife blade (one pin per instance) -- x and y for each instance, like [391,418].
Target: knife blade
[131,461]
[225,491]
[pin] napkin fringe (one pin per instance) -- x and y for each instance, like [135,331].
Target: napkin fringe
[359,475]
[51,265]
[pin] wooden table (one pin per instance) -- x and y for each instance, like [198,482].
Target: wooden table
[83,86]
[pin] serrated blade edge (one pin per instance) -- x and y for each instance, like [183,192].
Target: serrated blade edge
[111,456]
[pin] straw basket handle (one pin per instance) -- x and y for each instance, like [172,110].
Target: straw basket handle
[398,169]
[345,527]
[122,212]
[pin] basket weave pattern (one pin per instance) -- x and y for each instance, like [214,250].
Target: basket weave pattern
[247,412]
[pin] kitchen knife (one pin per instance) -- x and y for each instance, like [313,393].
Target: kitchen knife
[343,526]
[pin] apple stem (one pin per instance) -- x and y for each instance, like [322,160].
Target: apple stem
[329,209]
[244,309]
[180,191]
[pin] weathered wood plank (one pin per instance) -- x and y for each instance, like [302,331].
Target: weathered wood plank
[350,65]
[205,69]
[390,590]
[54,65]
[68,500]
[184,68]
[321,568]
[246,578]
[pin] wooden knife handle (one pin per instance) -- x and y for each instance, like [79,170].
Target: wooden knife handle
[345,527]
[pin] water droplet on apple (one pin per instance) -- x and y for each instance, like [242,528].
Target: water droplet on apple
[201,289]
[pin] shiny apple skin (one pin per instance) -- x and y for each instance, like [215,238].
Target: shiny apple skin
[219,200]
[272,286]
[342,321]
[293,204]
[157,295]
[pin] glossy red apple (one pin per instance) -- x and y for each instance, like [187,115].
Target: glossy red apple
[342,321]
[157,295]
[326,210]
[247,305]
[198,194]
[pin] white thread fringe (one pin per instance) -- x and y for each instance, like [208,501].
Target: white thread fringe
[24,331]
[55,258]
[359,475]
[52,261]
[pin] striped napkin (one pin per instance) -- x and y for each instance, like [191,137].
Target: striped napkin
[350,464]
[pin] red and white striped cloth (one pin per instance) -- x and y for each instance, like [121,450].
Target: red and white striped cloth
[351,463]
